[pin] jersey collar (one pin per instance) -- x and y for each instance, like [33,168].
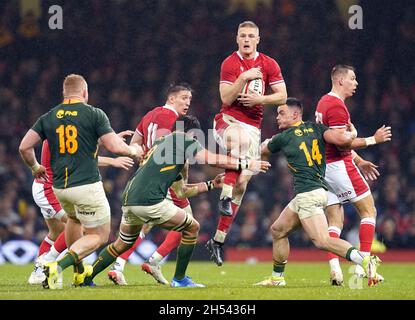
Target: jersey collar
[167,106]
[331,93]
[298,123]
[242,58]
[71,101]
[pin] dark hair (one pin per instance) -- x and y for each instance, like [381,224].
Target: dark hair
[175,88]
[186,123]
[294,102]
[340,69]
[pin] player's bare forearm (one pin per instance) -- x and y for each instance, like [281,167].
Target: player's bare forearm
[26,148]
[277,98]
[229,92]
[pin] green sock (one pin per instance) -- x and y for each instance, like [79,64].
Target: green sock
[184,253]
[78,267]
[107,256]
[278,268]
[69,259]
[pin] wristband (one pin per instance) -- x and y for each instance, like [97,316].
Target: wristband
[35,167]
[370,141]
[243,164]
[209,185]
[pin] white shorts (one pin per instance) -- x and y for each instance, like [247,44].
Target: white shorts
[87,203]
[224,121]
[345,181]
[311,203]
[47,202]
[153,215]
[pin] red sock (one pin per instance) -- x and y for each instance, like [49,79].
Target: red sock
[128,253]
[230,177]
[225,222]
[60,243]
[366,234]
[334,232]
[171,242]
[45,246]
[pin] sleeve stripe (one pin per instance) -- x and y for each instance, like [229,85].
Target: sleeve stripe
[275,82]
[224,81]
[139,132]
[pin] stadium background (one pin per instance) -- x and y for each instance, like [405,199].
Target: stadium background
[129,51]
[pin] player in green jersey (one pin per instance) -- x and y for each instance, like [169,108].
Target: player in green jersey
[303,144]
[144,197]
[73,130]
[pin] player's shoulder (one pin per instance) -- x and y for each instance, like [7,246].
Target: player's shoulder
[267,58]
[232,59]
[329,101]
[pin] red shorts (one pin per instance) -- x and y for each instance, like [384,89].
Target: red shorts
[346,183]
[47,201]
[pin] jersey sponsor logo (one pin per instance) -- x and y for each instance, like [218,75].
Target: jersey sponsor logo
[309,130]
[87,213]
[62,113]
[344,194]
[298,132]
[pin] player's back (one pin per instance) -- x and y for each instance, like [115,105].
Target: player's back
[303,145]
[72,131]
[332,112]
[156,123]
[159,169]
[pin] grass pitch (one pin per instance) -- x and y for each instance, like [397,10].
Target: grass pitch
[232,281]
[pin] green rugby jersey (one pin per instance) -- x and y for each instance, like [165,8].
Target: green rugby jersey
[72,130]
[304,147]
[159,169]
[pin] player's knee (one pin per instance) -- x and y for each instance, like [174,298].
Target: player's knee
[320,243]
[194,227]
[277,231]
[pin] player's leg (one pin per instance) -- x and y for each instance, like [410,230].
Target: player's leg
[172,241]
[116,273]
[316,228]
[367,213]
[232,137]
[53,215]
[130,228]
[215,245]
[335,217]
[86,231]
[189,228]
[286,223]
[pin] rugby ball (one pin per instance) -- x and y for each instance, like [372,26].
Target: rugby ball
[254,86]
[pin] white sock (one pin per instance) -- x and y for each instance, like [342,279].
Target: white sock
[220,236]
[335,265]
[226,191]
[119,264]
[155,258]
[356,256]
[51,255]
[277,274]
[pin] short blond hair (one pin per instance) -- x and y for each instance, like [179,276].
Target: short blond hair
[248,24]
[74,83]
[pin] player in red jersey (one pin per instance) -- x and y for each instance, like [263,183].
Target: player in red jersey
[343,176]
[237,126]
[156,123]
[55,217]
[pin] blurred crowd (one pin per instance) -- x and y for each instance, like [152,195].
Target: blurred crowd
[130,51]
